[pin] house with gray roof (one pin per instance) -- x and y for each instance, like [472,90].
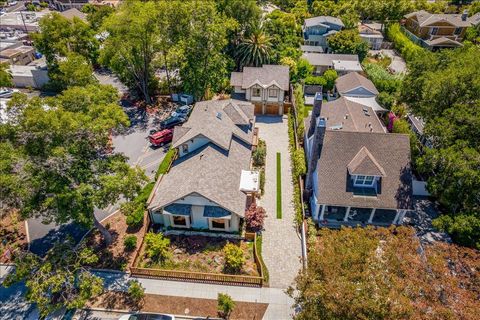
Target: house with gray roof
[316,30]
[437,31]
[358,174]
[210,182]
[266,87]
[342,63]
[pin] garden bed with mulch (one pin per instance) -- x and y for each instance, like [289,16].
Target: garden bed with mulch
[115,256]
[177,305]
[13,235]
[202,254]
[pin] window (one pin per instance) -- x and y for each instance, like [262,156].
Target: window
[185,148]
[256,92]
[179,221]
[457,31]
[433,31]
[364,180]
[272,93]
[220,224]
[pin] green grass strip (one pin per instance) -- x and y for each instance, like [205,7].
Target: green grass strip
[164,165]
[279,186]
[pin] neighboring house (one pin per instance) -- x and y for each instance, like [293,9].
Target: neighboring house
[210,183]
[372,34]
[265,86]
[316,30]
[311,49]
[29,76]
[342,63]
[20,55]
[355,176]
[62,5]
[25,21]
[436,31]
[357,88]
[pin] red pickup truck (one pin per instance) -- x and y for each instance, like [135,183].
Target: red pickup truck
[160,138]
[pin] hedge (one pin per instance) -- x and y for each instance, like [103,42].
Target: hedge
[407,48]
[165,165]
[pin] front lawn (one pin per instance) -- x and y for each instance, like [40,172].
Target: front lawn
[200,254]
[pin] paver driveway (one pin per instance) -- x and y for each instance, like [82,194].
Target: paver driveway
[281,242]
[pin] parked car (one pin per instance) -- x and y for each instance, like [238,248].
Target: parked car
[182,111]
[6,93]
[147,316]
[172,122]
[160,138]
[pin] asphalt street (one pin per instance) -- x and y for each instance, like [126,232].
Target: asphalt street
[18,7]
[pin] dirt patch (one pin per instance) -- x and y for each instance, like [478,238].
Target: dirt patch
[115,256]
[203,254]
[178,305]
[13,235]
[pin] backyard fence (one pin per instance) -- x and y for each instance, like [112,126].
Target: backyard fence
[203,277]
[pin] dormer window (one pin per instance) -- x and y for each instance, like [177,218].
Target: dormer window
[364,181]
[256,92]
[185,148]
[272,93]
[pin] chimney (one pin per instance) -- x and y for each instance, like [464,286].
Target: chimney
[317,108]
[316,149]
[465,15]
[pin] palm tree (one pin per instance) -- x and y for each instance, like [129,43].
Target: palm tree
[255,50]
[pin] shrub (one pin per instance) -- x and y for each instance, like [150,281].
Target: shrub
[234,258]
[262,181]
[225,305]
[136,291]
[386,100]
[299,164]
[330,76]
[382,79]
[156,246]
[464,229]
[134,210]
[165,164]
[254,217]
[402,43]
[259,154]
[316,80]
[130,242]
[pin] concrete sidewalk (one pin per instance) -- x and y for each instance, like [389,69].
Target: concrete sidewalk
[279,303]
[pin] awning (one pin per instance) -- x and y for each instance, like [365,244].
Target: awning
[178,209]
[249,181]
[216,212]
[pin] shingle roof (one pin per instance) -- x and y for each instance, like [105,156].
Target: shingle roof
[326,59]
[345,115]
[209,171]
[73,12]
[264,76]
[364,163]
[475,19]
[322,20]
[217,120]
[443,41]
[390,151]
[316,49]
[425,18]
[354,80]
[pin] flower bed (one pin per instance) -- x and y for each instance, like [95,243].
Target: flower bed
[200,254]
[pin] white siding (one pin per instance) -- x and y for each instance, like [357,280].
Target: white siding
[193,145]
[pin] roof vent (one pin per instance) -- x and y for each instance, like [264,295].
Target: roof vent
[337,127]
[219,115]
[346,116]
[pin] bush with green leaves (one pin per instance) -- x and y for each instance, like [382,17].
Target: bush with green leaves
[225,305]
[316,80]
[299,164]
[234,257]
[157,246]
[259,154]
[136,291]
[130,242]
[330,76]
[408,49]
[463,228]
[386,100]
[382,79]
[135,210]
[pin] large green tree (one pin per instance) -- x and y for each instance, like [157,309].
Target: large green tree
[349,42]
[62,167]
[74,70]
[204,65]
[60,36]
[131,45]
[58,280]
[5,76]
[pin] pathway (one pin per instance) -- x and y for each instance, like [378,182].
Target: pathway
[281,243]
[397,65]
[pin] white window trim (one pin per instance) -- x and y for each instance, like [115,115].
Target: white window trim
[187,220]
[210,224]
[275,90]
[259,92]
[362,184]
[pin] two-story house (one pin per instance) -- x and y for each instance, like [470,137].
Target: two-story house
[210,184]
[266,87]
[357,173]
[316,30]
[436,31]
